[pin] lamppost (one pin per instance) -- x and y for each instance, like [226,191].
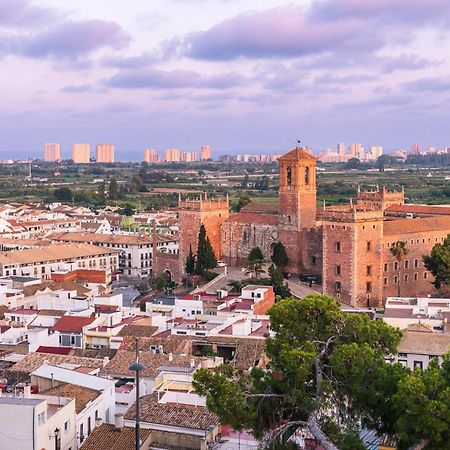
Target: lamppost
[137,367]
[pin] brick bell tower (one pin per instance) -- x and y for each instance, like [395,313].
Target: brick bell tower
[297,195]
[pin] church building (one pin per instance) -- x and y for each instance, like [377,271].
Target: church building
[346,246]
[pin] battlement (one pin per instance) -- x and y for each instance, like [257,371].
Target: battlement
[380,198]
[349,213]
[203,204]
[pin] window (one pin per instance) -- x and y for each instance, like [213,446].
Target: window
[313,260]
[395,280]
[89,426]
[67,426]
[425,275]
[289,178]
[81,433]
[72,340]
[396,265]
[369,286]
[418,365]
[416,263]
[385,281]
[41,418]
[338,247]
[369,246]
[406,264]
[338,270]
[385,267]
[406,278]
[368,270]
[338,286]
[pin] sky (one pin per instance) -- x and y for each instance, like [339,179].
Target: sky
[243,76]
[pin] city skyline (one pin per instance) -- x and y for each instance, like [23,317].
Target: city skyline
[169,75]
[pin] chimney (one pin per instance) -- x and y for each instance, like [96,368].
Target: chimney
[105,361]
[27,391]
[98,421]
[192,361]
[170,356]
[118,421]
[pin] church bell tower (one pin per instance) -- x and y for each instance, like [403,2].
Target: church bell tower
[297,195]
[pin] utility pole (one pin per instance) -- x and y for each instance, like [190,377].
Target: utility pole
[137,367]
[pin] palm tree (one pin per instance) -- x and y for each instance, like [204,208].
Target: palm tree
[236,285]
[399,251]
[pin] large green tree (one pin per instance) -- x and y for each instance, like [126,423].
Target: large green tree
[63,194]
[280,287]
[423,408]
[327,372]
[399,250]
[438,263]
[279,256]
[205,259]
[190,262]
[113,190]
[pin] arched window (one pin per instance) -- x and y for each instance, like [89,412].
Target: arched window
[289,177]
[306,175]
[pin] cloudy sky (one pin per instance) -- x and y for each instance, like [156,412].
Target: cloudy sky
[239,75]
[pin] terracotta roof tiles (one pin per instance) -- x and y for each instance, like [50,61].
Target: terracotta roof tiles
[173,414]
[81,394]
[120,363]
[72,324]
[109,437]
[33,361]
[254,218]
[419,225]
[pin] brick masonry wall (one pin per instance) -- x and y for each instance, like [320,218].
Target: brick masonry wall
[418,279]
[191,215]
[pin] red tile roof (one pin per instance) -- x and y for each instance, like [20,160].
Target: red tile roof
[420,225]
[54,350]
[420,209]
[72,324]
[254,218]
[297,154]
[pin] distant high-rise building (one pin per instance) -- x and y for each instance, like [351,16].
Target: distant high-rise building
[81,153]
[430,150]
[447,150]
[189,156]
[375,151]
[341,150]
[172,155]
[415,149]
[104,153]
[150,155]
[356,150]
[52,152]
[205,153]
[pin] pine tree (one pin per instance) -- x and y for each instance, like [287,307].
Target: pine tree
[279,256]
[190,262]
[206,260]
[113,190]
